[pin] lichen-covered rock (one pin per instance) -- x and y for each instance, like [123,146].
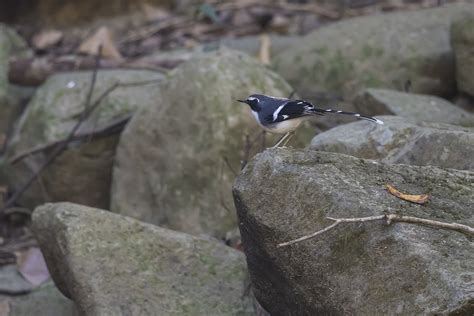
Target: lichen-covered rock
[462,39]
[421,108]
[180,155]
[402,140]
[383,51]
[114,265]
[354,269]
[83,172]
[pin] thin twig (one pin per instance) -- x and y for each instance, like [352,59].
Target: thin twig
[62,145]
[389,218]
[88,109]
[227,162]
[115,126]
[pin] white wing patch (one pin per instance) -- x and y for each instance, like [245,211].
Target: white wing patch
[277,111]
[285,116]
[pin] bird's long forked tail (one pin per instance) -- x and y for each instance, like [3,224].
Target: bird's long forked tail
[356,115]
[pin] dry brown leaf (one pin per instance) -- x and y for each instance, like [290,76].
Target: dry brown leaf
[414,198]
[103,37]
[46,39]
[264,53]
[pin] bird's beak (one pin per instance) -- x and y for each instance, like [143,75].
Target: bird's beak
[242,101]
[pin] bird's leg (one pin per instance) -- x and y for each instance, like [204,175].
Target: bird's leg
[290,135]
[281,140]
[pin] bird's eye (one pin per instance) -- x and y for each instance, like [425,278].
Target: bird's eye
[251,99]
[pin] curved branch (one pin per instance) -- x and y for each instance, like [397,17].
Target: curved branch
[390,218]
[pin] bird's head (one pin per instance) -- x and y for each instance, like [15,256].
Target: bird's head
[255,101]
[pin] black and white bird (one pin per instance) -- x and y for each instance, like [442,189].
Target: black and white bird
[283,116]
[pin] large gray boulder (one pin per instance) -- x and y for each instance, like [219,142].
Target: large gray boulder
[383,50]
[354,269]
[462,39]
[421,108]
[82,173]
[114,265]
[180,155]
[402,140]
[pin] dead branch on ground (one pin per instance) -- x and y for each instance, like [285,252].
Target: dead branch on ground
[389,218]
[61,145]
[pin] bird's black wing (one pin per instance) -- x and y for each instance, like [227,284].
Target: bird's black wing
[293,109]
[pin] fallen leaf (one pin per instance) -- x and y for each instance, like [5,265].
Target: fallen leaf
[46,39]
[103,37]
[264,53]
[32,266]
[414,198]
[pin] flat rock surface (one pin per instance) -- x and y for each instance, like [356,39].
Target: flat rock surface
[421,108]
[402,140]
[114,265]
[354,269]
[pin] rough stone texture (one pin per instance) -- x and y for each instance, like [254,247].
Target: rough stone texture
[82,173]
[114,265]
[45,300]
[354,269]
[422,108]
[401,140]
[173,154]
[376,51]
[462,39]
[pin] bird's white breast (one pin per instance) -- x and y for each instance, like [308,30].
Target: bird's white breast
[285,126]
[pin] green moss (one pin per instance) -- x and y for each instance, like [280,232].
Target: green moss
[369,51]
[321,50]
[338,70]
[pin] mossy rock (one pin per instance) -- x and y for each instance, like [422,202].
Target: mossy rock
[82,173]
[416,107]
[180,155]
[114,265]
[402,140]
[356,268]
[383,51]
[462,39]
